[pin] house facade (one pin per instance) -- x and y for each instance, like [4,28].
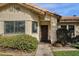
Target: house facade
[21,18]
[71,23]
[18,18]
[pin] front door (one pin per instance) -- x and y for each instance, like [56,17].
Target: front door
[44,33]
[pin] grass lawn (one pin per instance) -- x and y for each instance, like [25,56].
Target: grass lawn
[66,53]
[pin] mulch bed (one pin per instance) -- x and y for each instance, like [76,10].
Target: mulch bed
[15,52]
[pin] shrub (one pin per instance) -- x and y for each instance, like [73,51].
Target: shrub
[75,42]
[21,42]
[75,46]
[62,36]
[75,39]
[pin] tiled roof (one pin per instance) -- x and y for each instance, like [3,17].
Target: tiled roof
[69,18]
[34,7]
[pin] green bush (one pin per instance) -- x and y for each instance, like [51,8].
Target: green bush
[21,42]
[62,36]
[76,45]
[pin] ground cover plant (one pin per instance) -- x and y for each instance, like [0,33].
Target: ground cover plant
[20,42]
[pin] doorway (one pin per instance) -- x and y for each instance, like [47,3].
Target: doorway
[44,33]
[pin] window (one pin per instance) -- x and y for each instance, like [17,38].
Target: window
[34,27]
[63,26]
[9,27]
[19,26]
[14,26]
[71,29]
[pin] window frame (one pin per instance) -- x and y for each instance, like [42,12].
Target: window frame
[33,28]
[16,22]
[67,27]
[73,30]
[64,25]
[14,25]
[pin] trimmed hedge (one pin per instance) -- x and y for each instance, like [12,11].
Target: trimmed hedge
[21,42]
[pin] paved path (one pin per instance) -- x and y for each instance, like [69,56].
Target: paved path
[44,50]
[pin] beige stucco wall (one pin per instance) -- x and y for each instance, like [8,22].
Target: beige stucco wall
[1,27]
[47,17]
[53,29]
[24,14]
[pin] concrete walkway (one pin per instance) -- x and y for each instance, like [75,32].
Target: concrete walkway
[44,50]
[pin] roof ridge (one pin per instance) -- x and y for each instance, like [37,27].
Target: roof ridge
[36,6]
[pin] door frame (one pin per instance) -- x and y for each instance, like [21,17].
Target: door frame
[46,33]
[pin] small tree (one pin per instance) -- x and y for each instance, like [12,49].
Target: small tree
[62,36]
